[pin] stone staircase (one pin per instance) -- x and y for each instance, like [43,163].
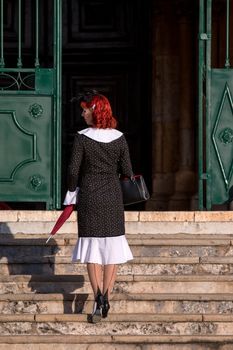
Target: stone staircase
[177,294]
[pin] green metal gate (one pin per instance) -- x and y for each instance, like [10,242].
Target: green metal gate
[30,119]
[215,116]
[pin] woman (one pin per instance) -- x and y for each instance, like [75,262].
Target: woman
[100,154]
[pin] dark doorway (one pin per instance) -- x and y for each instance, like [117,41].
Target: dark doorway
[106,45]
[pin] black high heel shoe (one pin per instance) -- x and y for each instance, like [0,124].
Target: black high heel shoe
[96,315]
[106,305]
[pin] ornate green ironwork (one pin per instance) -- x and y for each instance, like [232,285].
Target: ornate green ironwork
[224,135]
[36,182]
[215,116]
[35,110]
[202,37]
[17,81]
[33,94]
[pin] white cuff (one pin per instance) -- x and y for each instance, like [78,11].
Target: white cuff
[71,197]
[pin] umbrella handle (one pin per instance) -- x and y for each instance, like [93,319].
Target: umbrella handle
[49,238]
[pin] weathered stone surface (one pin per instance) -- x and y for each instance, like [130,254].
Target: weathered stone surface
[16,328]
[182,239]
[121,328]
[150,318]
[108,346]
[140,340]
[51,269]
[217,260]
[20,252]
[56,259]
[179,227]
[188,251]
[9,216]
[41,215]
[40,227]
[176,269]
[120,287]
[213,216]
[118,307]
[27,307]
[166,216]
[64,346]
[117,347]
[78,305]
[174,287]
[132,216]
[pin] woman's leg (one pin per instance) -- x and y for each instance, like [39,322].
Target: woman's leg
[95,273]
[109,277]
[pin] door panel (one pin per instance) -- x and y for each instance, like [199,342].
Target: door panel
[26,140]
[221,134]
[215,107]
[30,103]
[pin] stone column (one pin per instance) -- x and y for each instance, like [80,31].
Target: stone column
[164,105]
[185,177]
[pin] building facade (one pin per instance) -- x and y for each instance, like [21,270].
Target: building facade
[144,56]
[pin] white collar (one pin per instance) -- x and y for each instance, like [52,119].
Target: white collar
[101,135]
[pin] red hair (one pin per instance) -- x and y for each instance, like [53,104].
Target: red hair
[102,112]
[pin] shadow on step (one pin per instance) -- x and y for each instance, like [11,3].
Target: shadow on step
[33,267]
[65,288]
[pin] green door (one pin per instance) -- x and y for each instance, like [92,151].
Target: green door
[215,116]
[30,120]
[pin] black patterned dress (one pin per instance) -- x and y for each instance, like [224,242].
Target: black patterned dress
[98,157]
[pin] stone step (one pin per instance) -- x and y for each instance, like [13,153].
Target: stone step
[123,325]
[124,284]
[179,239]
[119,297]
[120,303]
[117,342]
[158,267]
[54,259]
[147,269]
[60,239]
[195,222]
[51,259]
[120,278]
[168,239]
[119,345]
[45,299]
[140,247]
[135,317]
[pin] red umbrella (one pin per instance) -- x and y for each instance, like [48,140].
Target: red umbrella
[62,218]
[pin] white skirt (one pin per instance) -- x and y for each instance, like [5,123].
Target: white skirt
[103,251]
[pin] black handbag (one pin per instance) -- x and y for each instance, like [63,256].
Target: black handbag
[134,190]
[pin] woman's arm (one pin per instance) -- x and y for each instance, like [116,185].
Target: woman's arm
[74,172]
[75,163]
[125,161]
